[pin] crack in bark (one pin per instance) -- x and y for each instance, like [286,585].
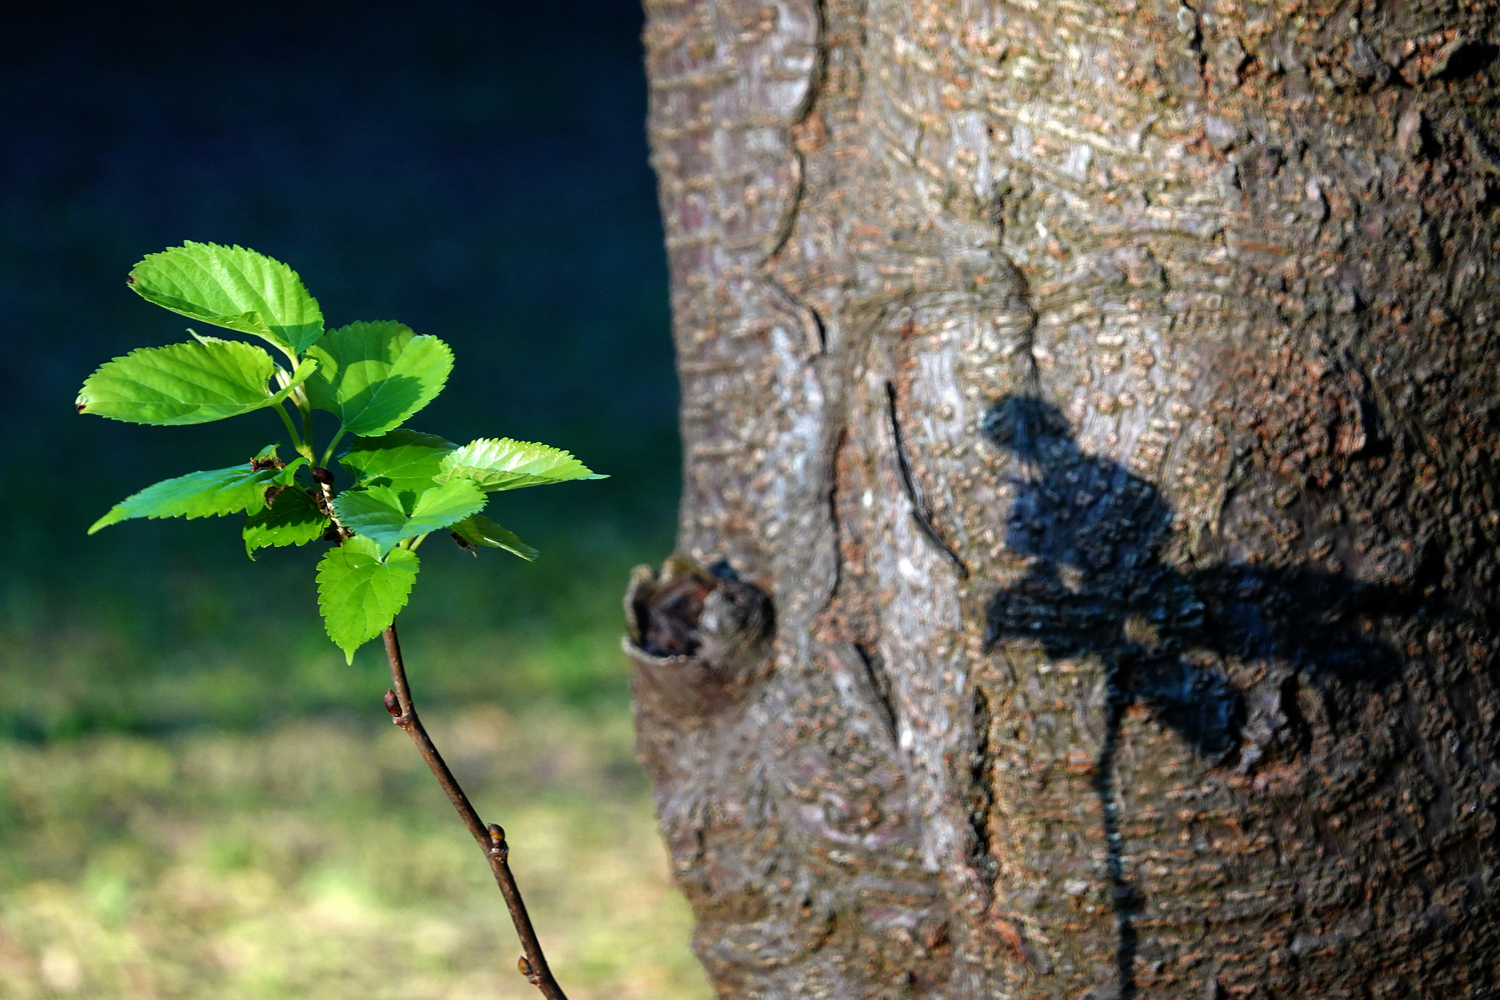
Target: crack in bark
[841,441]
[919,510]
[817,336]
[981,790]
[880,683]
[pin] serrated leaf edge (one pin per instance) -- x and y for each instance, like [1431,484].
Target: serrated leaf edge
[401,603]
[162,258]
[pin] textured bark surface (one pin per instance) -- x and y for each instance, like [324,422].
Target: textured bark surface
[1104,396]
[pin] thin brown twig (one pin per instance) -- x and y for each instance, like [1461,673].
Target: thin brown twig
[533,964]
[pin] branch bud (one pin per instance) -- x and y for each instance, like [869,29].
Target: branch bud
[499,850]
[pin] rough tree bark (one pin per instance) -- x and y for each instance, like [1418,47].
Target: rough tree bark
[1102,394]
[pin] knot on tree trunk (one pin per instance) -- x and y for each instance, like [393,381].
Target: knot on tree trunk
[700,638]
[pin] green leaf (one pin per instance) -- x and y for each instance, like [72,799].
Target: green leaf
[359,594]
[478,530]
[375,375]
[375,513]
[193,383]
[444,505]
[198,494]
[503,464]
[232,287]
[292,519]
[404,460]
[286,474]
[379,512]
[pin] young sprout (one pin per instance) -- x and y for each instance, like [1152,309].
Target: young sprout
[400,485]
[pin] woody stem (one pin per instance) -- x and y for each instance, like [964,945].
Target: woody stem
[491,838]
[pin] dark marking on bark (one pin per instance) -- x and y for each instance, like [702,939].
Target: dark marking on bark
[841,441]
[1124,897]
[1462,57]
[880,683]
[920,514]
[1190,27]
[1099,588]
[981,789]
[1086,514]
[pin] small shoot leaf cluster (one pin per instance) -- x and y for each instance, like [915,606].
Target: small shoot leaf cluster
[371,376]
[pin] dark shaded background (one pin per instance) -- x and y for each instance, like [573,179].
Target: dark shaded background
[478,172]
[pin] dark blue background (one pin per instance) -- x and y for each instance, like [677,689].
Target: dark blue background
[478,172]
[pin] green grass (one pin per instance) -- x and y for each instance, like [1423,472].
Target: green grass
[318,859]
[199,798]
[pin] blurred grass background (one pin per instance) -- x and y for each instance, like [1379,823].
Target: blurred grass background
[198,798]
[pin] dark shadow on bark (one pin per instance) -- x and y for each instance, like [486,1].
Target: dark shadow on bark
[1097,586]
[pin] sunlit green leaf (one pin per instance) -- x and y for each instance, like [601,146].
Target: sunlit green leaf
[232,287]
[373,376]
[359,593]
[503,464]
[193,383]
[375,513]
[197,494]
[478,530]
[380,513]
[444,505]
[404,460]
[292,519]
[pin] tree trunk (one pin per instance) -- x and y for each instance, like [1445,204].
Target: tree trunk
[1100,392]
